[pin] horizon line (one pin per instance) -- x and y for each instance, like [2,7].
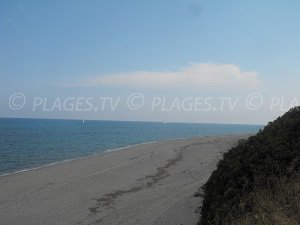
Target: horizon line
[137,121]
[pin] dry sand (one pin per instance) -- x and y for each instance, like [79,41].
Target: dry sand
[145,184]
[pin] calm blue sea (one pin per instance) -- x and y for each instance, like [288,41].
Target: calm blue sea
[30,143]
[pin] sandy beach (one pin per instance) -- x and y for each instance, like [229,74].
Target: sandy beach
[148,184]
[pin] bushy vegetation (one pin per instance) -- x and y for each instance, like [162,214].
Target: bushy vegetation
[258,182]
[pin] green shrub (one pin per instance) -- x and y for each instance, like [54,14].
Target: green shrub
[253,165]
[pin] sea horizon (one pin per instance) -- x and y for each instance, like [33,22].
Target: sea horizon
[137,121]
[29,143]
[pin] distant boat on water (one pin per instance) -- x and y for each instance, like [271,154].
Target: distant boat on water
[71,139]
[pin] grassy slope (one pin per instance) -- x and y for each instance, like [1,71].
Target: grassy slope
[258,181]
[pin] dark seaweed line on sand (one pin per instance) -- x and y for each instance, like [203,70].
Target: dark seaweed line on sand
[162,173]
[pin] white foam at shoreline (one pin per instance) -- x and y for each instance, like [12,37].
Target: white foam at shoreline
[95,154]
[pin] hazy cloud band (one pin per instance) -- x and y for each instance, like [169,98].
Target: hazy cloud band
[193,76]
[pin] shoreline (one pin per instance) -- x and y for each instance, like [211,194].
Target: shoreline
[85,157]
[149,183]
[104,152]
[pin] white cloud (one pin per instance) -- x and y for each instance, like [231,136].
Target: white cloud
[194,76]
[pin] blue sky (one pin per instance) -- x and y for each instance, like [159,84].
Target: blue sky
[91,48]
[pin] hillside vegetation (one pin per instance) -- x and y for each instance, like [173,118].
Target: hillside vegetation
[258,181]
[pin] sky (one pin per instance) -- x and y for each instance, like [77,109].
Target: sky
[204,61]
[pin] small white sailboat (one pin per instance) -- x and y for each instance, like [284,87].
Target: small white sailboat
[83,121]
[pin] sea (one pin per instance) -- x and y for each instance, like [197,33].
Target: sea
[26,144]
